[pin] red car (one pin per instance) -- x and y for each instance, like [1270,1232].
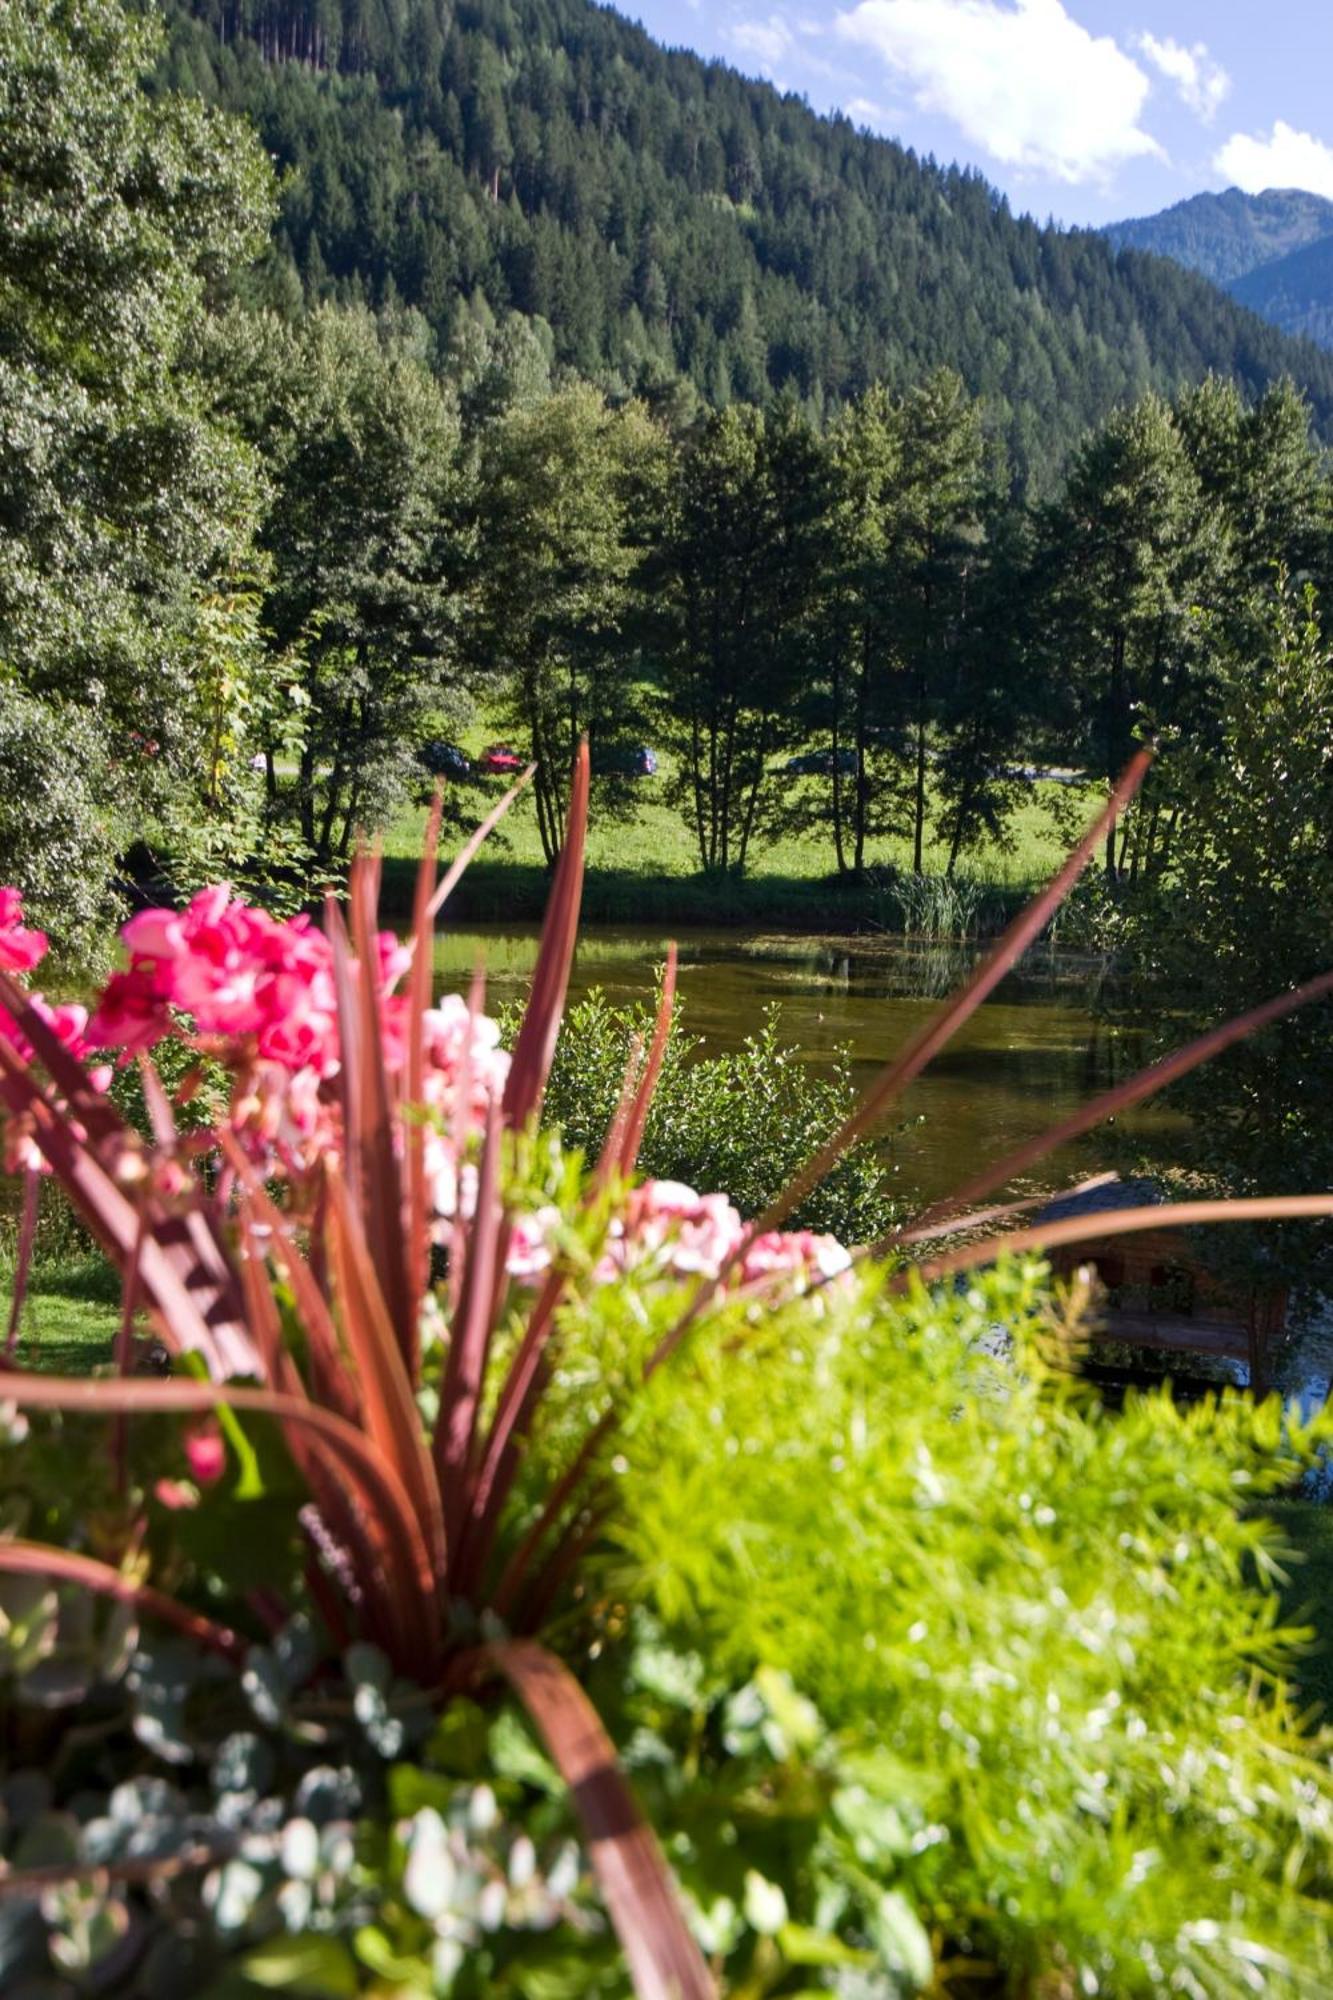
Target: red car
[499,757]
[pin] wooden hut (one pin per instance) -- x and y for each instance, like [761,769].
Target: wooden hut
[1159,1295]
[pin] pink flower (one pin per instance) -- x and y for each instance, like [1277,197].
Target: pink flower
[797,1254]
[205,1452]
[394,960]
[238,972]
[669,1224]
[133,1011]
[530,1240]
[67,1021]
[20,948]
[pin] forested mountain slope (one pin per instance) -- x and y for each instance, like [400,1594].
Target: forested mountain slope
[668,218]
[1272,251]
[1294,292]
[1225,236]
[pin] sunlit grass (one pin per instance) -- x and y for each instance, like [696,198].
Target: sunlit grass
[655,844]
[70,1313]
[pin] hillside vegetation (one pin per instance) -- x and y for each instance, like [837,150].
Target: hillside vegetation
[1226,236]
[668,219]
[1272,251]
[1295,291]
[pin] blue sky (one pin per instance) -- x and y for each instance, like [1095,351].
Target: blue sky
[1086,110]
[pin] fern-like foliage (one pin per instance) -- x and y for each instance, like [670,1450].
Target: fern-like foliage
[1044,1631]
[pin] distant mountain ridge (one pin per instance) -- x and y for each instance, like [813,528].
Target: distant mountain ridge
[1272,251]
[663,220]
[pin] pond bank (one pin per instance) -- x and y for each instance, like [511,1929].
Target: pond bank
[495,891]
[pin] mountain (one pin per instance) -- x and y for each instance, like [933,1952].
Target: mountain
[1273,251]
[1226,236]
[1294,292]
[667,218]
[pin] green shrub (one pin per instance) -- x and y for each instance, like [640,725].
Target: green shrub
[743,1121]
[58,836]
[932,1672]
[1042,1632]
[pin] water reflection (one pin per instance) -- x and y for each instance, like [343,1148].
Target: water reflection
[1030,1056]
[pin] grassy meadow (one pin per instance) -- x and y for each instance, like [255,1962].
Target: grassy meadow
[643,866]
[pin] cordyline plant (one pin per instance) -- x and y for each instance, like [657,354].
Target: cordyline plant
[290,1247]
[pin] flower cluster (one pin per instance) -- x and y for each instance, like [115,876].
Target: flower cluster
[239,974]
[667,1227]
[21,949]
[259,995]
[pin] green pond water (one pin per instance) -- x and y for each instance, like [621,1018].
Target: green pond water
[1028,1057]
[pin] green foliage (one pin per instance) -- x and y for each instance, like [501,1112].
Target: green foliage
[668,219]
[732,590]
[59,831]
[363,556]
[1132,548]
[252,721]
[1252,875]
[563,487]
[1043,1632]
[742,1121]
[120,497]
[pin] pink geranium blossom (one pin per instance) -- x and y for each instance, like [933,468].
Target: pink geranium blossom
[19,1151]
[795,1254]
[259,995]
[237,972]
[20,947]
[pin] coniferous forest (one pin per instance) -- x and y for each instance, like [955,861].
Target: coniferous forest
[669,220]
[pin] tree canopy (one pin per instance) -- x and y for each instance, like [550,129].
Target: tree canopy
[667,218]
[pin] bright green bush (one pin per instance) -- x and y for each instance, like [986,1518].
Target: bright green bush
[1041,1631]
[58,835]
[932,1673]
[744,1120]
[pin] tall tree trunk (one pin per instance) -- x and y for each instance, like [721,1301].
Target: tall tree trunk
[1116,731]
[837,774]
[756,787]
[862,784]
[919,789]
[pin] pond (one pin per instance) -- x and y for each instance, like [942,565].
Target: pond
[1031,1055]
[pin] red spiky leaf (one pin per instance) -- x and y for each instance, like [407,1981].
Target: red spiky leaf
[535,1047]
[636,1884]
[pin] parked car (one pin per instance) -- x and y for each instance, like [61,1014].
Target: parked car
[444,760]
[821,763]
[498,757]
[624,760]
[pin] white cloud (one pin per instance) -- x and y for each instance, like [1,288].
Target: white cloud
[1203,84]
[865,111]
[769,40]
[1024,81]
[1286,159]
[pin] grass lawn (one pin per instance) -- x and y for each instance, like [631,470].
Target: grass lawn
[70,1315]
[645,867]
